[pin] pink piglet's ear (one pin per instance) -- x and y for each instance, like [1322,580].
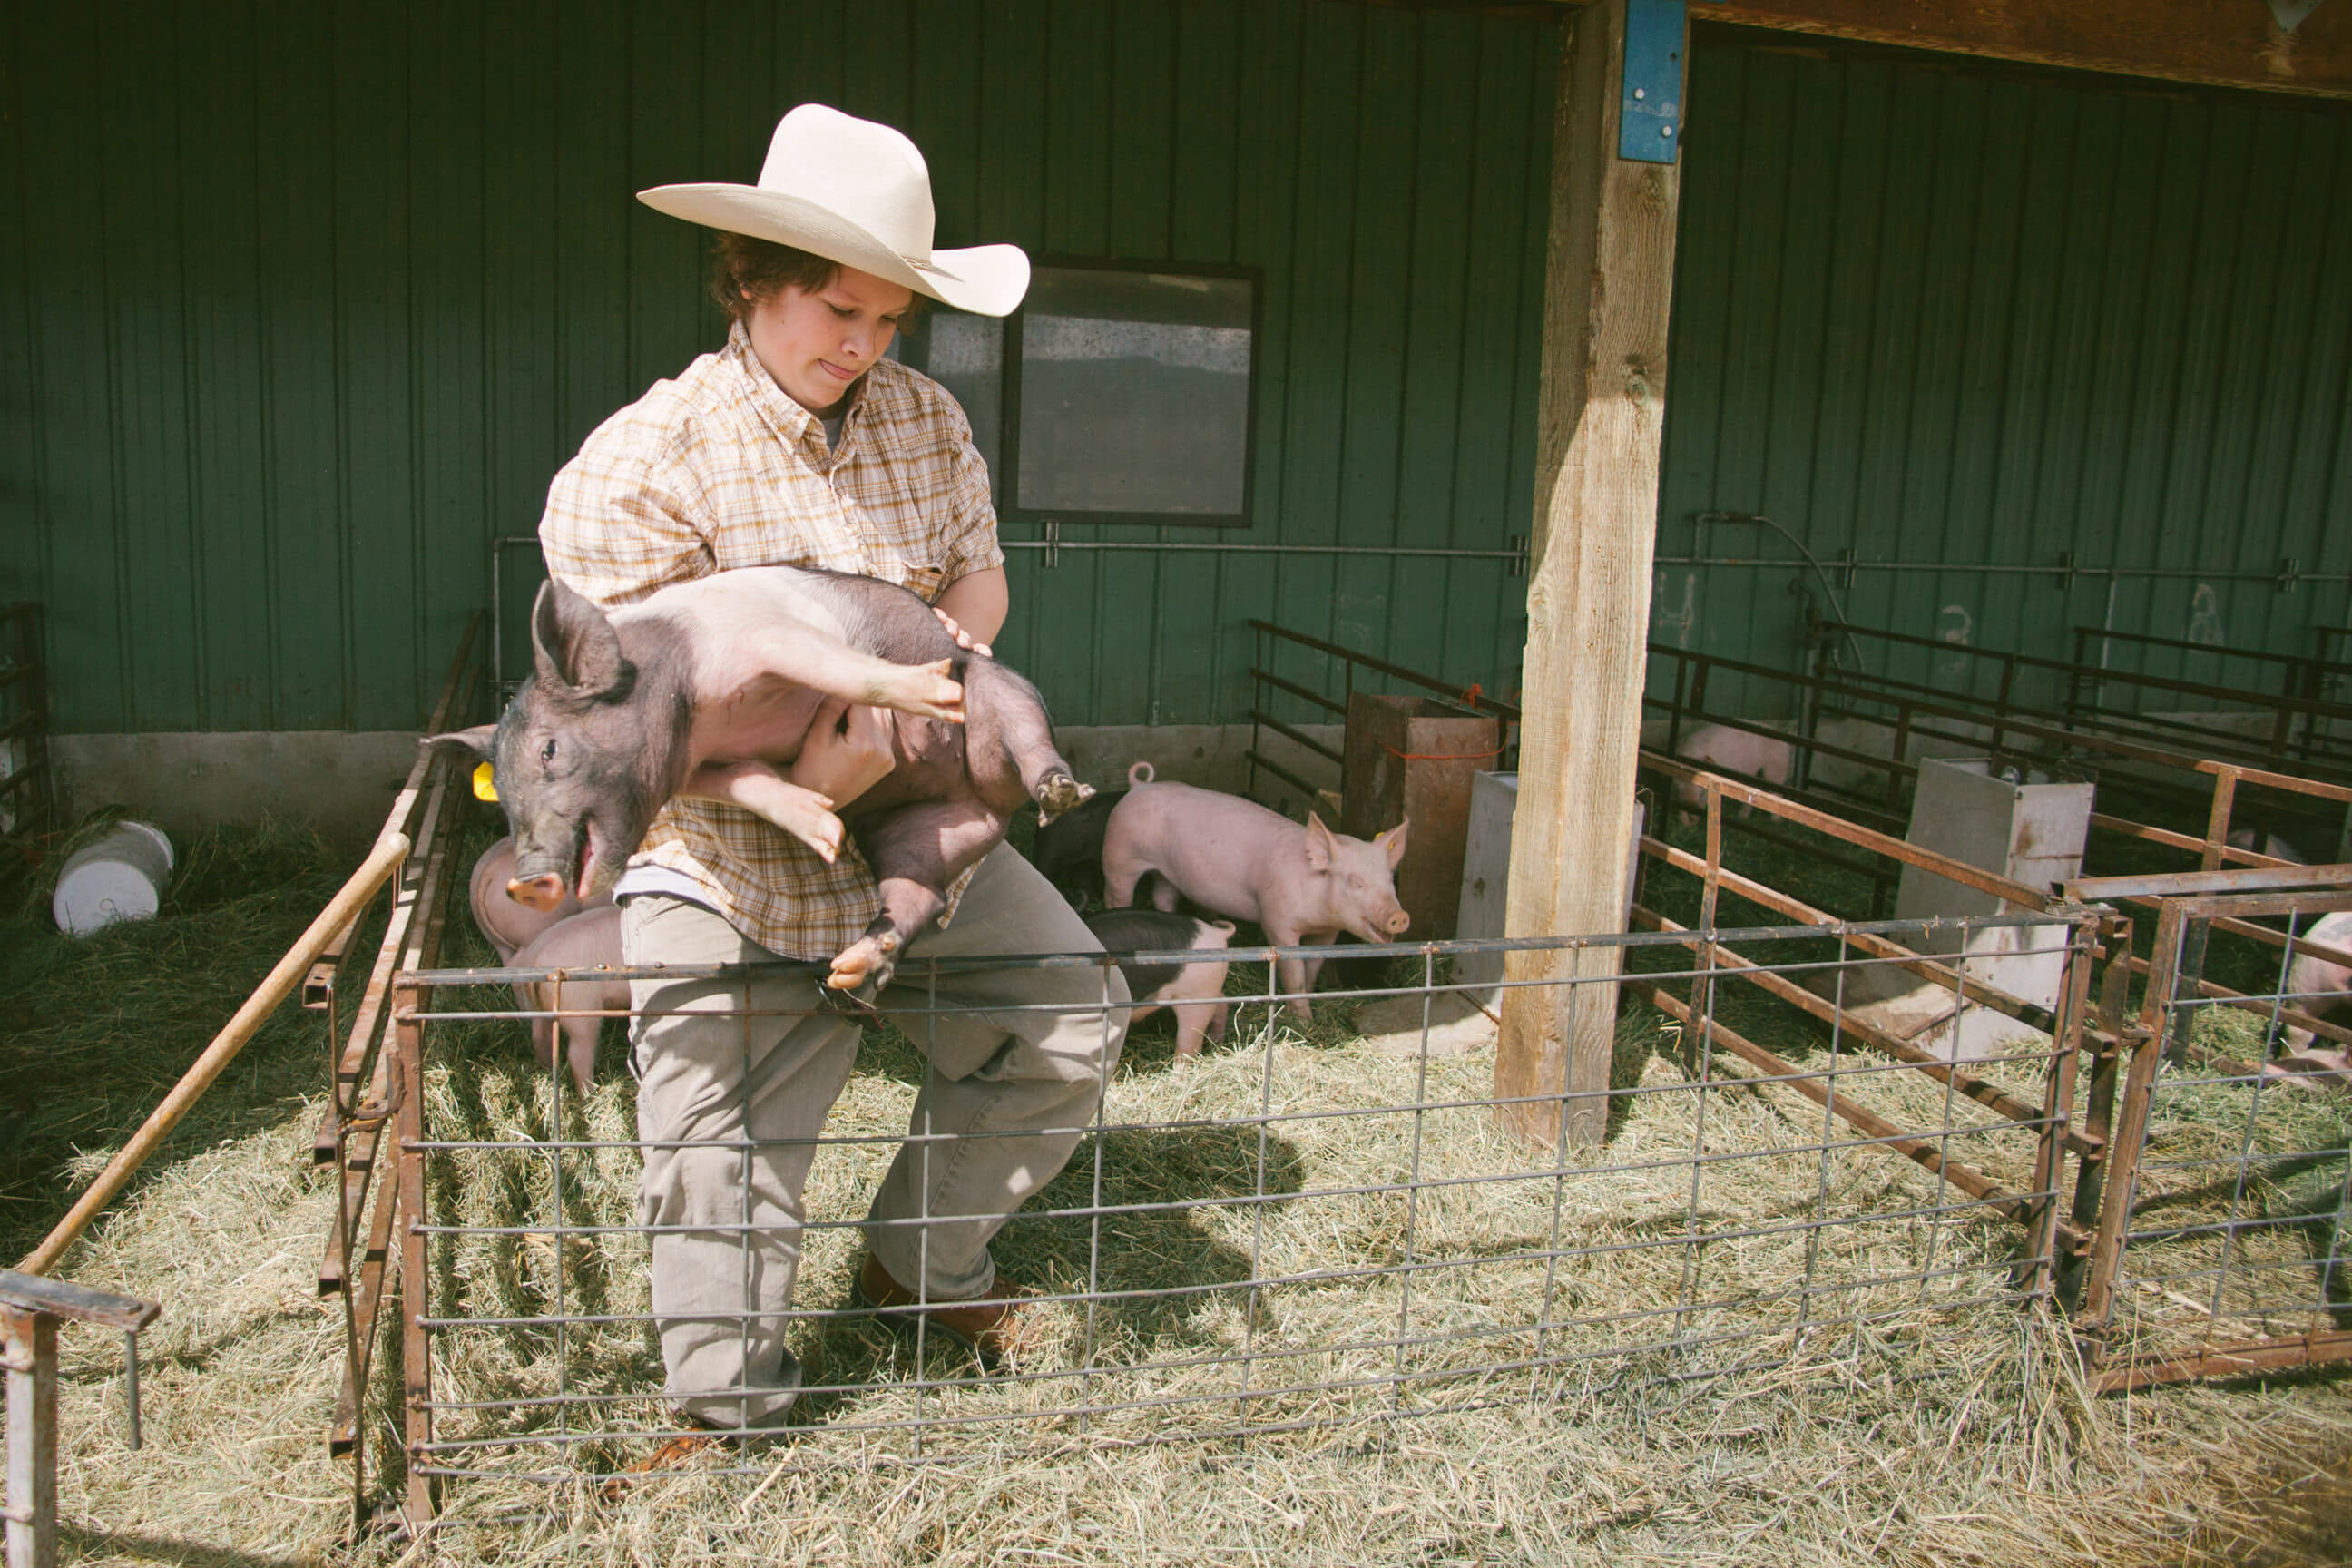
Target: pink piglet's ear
[1319,844]
[1394,842]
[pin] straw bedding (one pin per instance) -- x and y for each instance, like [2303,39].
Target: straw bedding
[1946,1433]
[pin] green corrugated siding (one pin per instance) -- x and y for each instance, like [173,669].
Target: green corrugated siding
[1962,316]
[300,307]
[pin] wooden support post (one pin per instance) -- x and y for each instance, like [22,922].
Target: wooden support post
[1609,269]
[31,1340]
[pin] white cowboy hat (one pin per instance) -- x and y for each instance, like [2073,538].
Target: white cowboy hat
[858,193]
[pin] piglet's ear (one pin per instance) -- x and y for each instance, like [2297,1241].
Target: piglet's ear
[1394,842]
[1319,844]
[479,741]
[575,647]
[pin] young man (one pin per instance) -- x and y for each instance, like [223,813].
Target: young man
[799,443]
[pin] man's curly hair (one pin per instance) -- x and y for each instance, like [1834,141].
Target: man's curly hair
[744,271]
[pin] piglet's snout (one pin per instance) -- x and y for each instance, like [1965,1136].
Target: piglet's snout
[543,892]
[1397,922]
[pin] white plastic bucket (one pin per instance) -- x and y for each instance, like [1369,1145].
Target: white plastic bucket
[120,876]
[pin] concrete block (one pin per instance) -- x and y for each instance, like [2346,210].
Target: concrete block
[2030,830]
[1485,880]
[1486,877]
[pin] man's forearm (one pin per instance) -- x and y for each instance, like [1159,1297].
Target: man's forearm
[979,601]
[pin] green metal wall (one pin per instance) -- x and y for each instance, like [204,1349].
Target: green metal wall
[1936,315]
[300,305]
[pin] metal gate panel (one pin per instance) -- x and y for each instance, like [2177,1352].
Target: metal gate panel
[2221,1245]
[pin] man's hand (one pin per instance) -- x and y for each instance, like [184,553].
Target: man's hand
[846,752]
[962,638]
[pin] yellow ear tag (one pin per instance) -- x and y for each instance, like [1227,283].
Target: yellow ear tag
[483,788]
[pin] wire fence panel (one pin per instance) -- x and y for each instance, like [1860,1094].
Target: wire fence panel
[1313,1224]
[2223,1246]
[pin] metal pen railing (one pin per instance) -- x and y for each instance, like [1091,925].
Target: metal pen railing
[1334,1230]
[1412,1320]
[1468,698]
[2233,1254]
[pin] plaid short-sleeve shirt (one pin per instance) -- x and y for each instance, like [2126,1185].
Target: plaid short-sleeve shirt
[720,468]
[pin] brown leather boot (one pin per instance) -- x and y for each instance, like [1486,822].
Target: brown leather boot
[680,1451]
[994,1331]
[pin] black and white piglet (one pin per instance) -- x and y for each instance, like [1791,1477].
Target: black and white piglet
[1196,991]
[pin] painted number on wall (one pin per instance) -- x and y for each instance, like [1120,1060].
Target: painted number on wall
[1667,616]
[1957,626]
[2205,615]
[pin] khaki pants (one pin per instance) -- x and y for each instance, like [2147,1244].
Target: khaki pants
[1030,1080]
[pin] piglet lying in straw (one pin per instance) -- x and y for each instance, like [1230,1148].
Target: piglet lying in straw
[706,688]
[2318,986]
[1233,856]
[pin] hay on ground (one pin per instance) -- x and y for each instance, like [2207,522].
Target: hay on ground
[1948,1434]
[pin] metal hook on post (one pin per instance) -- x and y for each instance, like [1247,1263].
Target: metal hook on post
[131,1383]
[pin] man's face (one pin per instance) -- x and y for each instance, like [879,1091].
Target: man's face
[816,344]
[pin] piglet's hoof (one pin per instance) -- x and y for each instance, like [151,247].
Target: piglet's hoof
[1057,791]
[847,1004]
[869,959]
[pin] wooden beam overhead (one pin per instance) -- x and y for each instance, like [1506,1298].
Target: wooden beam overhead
[2215,43]
[1538,9]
